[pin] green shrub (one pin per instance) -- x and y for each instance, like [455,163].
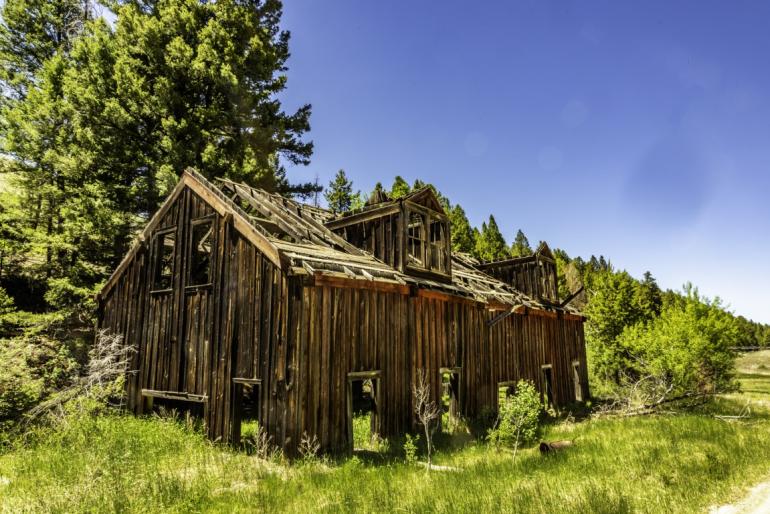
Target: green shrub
[410,448]
[32,369]
[6,303]
[6,308]
[518,417]
[684,351]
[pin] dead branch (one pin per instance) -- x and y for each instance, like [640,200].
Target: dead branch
[426,410]
[110,359]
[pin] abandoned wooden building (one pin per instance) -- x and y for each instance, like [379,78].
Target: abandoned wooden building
[243,304]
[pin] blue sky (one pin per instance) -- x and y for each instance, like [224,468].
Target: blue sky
[637,132]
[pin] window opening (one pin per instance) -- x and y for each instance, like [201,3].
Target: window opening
[416,239]
[200,252]
[164,266]
[450,399]
[437,245]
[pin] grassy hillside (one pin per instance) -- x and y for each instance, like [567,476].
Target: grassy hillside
[679,463]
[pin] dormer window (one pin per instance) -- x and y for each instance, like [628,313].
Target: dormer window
[410,233]
[438,239]
[427,246]
[415,234]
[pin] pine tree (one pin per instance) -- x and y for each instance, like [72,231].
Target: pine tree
[98,122]
[460,228]
[562,267]
[649,295]
[399,188]
[31,33]
[182,83]
[13,240]
[476,237]
[339,195]
[520,247]
[53,201]
[490,245]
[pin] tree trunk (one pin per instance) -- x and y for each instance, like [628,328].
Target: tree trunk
[553,446]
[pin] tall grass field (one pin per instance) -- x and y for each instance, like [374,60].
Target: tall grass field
[662,463]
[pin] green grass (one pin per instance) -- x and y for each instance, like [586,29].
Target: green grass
[753,373]
[648,464]
[664,463]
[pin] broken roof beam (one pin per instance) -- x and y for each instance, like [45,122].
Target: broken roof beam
[314,231]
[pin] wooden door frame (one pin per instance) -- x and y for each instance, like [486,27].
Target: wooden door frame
[547,386]
[376,378]
[456,371]
[237,405]
[577,380]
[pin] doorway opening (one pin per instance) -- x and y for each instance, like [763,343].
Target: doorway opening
[576,379]
[505,390]
[547,392]
[247,399]
[189,407]
[363,410]
[450,399]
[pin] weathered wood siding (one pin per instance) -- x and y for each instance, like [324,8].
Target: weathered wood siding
[196,339]
[300,337]
[382,237]
[535,277]
[345,329]
[521,345]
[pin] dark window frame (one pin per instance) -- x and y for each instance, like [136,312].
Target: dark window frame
[412,260]
[439,263]
[158,247]
[208,219]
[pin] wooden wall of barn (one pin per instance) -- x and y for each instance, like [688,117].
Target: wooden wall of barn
[382,237]
[349,329]
[300,341]
[520,345]
[535,277]
[343,330]
[195,340]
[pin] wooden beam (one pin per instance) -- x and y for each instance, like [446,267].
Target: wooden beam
[364,375]
[444,297]
[251,381]
[412,206]
[240,223]
[322,279]
[363,216]
[174,395]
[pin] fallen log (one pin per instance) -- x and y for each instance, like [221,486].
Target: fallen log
[554,446]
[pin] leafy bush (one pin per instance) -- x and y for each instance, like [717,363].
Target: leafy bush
[32,369]
[6,308]
[617,301]
[518,417]
[684,351]
[6,303]
[410,448]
